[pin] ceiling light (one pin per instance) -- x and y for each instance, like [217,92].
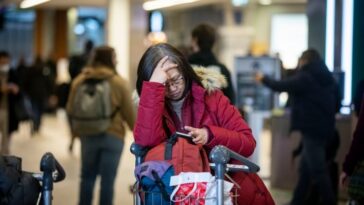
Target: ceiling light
[158,4]
[30,3]
[79,29]
[265,2]
[239,2]
[156,21]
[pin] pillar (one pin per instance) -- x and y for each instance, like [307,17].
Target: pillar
[316,14]
[117,33]
[358,44]
[60,45]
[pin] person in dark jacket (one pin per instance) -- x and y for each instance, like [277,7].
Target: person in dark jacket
[174,97]
[356,151]
[203,39]
[78,62]
[358,97]
[9,96]
[313,91]
[38,87]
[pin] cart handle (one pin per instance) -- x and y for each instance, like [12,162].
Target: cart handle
[49,164]
[222,155]
[219,155]
[139,152]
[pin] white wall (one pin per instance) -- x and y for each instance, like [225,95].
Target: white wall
[179,23]
[260,18]
[48,34]
[72,40]
[289,37]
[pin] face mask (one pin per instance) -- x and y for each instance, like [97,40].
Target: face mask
[4,68]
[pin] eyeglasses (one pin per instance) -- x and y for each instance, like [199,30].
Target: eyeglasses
[175,83]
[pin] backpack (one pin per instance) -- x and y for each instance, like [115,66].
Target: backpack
[154,180]
[91,107]
[17,187]
[184,155]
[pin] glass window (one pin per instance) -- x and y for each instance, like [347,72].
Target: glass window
[289,37]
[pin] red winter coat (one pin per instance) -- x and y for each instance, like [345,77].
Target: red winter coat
[212,111]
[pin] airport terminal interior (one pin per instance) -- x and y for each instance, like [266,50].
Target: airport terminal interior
[252,36]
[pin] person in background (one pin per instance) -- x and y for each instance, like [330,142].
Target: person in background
[313,91]
[356,151]
[50,71]
[38,88]
[8,98]
[203,39]
[76,64]
[358,97]
[100,153]
[173,97]
[22,71]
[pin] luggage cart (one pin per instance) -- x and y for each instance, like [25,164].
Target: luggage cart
[220,156]
[52,172]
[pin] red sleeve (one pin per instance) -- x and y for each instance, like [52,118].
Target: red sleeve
[232,131]
[148,130]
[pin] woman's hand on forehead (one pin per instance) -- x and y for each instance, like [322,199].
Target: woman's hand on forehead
[160,72]
[169,65]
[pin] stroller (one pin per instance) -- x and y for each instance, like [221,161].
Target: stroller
[19,187]
[220,156]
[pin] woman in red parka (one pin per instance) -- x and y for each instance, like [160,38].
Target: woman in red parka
[173,97]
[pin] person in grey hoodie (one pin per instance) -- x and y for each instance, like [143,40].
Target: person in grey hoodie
[313,93]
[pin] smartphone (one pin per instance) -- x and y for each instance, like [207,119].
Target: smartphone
[185,135]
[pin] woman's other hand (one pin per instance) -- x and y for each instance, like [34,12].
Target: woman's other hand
[199,135]
[259,77]
[10,88]
[13,88]
[160,72]
[344,180]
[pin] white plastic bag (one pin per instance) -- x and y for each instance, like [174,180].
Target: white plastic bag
[197,180]
[211,195]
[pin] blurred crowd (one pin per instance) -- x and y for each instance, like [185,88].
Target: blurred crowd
[30,90]
[27,91]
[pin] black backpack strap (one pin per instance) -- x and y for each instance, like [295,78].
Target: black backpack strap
[160,185]
[169,146]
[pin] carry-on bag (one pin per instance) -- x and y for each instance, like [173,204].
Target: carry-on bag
[220,156]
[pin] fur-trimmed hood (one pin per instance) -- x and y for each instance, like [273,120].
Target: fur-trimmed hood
[211,80]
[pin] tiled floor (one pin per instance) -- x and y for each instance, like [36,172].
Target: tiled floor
[54,137]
